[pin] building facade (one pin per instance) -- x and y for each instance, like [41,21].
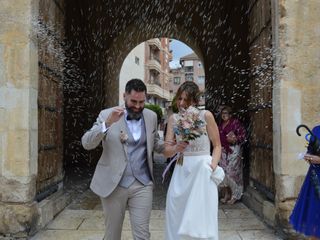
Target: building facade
[132,67]
[149,61]
[157,71]
[191,70]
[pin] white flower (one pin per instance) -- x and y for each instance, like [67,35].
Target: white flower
[123,137]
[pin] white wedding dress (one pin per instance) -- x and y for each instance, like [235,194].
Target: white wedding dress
[192,198]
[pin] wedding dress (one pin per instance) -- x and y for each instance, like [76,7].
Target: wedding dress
[192,198]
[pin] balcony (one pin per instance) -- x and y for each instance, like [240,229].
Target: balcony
[154,64]
[154,43]
[155,90]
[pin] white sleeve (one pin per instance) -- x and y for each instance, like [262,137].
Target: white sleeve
[104,128]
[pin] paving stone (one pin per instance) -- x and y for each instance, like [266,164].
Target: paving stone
[229,235]
[93,223]
[239,213]
[83,219]
[241,224]
[68,235]
[265,234]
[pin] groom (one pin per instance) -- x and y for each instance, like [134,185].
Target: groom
[123,176]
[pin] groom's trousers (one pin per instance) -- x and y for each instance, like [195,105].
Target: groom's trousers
[138,198]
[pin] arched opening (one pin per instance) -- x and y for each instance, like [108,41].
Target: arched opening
[217,48]
[220,34]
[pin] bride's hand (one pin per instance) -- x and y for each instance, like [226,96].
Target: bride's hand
[213,165]
[181,146]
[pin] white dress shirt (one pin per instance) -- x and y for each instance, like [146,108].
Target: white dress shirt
[133,125]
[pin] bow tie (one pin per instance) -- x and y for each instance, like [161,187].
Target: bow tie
[137,118]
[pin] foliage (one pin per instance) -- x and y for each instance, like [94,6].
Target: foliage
[156,108]
[174,105]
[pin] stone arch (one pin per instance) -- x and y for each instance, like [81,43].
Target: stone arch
[120,48]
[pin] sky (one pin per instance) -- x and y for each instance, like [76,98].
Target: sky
[179,49]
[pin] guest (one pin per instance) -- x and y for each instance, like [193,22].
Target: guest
[232,135]
[305,217]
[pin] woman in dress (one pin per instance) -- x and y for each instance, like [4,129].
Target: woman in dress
[192,198]
[232,135]
[305,217]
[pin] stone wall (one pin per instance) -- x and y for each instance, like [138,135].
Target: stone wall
[18,116]
[295,94]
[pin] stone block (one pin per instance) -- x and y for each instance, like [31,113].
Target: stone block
[15,219]
[33,164]
[3,148]
[52,205]
[2,70]
[17,59]
[34,67]
[253,200]
[15,191]
[15,13]
[288,187]
[15,98]
[17,162]
[269,211]
[3,119]
[3,103]
[291,98]
[290,164]
[45,212]
[18,118]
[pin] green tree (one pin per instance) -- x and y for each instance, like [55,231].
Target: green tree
[156,108]
[174,104]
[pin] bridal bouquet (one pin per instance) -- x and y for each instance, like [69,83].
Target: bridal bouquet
[188,125]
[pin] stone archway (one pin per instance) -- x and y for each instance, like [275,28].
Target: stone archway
[92,29]
[121,47]
[209,44]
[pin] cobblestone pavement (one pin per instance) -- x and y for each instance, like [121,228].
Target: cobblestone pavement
[83,218]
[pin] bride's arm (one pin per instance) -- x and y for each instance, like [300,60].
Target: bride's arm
[171,146]
[213,133]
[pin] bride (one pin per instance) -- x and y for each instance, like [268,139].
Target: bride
[192,198]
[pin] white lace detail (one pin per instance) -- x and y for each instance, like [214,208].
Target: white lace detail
[200,145]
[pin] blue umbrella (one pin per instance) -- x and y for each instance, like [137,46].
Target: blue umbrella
[313,148]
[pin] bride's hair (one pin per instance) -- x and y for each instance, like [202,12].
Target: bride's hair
[192,91]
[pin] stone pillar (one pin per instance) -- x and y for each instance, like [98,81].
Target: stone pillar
[296,35]
[18,116]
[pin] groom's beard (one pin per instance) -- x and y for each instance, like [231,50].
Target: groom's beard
[132,115]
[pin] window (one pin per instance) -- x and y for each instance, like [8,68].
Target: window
[201,79]
[176,80]
[189,76]
[188,69]
[136,60]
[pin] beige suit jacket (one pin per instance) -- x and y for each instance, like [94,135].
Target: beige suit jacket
[113,160]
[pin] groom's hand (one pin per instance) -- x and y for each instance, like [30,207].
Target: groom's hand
[115,115]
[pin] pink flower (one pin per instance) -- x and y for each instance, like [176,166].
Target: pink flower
[189,125]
